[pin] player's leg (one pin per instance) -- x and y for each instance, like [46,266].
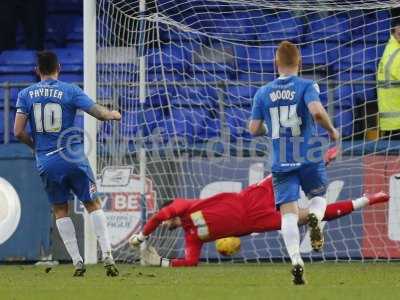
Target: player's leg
[99,223]
[58,195]
[286,186]
[314,181]
[342,208]
[82,184]
[67,232]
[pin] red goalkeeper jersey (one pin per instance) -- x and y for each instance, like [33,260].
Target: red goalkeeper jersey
[223,215]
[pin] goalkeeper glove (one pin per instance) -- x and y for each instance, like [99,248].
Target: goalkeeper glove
[150,257]
[137,239]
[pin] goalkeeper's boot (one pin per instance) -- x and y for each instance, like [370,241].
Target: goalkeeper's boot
[80,269]
[380,197]
[298,275]
[111,268]
[316,234]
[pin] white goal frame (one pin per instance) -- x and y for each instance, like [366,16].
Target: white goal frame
[89,83]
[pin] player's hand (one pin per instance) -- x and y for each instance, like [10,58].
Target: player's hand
[115,115]
[334,135]
[137,239]
[330,155]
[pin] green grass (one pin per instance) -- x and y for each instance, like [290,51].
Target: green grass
[266,281]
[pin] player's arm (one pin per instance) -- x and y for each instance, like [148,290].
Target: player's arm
[256,124]
[320,116]
[257,127]
[103,114]
[21,119]
[83,102]
[175,209]
[20,133]
[192,253]
[150,257]
[318,112]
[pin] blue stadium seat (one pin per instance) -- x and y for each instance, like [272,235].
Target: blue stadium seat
[71,60]
[71,77]
[57,28]
[172,58]
[213,60]
[109,73]
[105,131]
[255,78]
[358,58]
[208,77]
[17,61]
[370,26]
[237,120]
[316,54]
[131,122]
[195,125]
[343,120]
[65,6]
[240,95]
[253,58]
[208,71]
[360,88]
[75,36]
[195,96]
[106,94]
[25,78]
[330,28]
[281,26]
[157,75]
[344,95]
[156,96]
[171,33]
[181,124]
[220,24]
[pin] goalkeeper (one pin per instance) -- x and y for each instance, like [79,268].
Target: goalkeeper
[230,214]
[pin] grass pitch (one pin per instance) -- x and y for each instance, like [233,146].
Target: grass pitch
[227,282]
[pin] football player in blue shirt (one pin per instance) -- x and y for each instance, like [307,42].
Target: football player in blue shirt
[286,109]
[50,107]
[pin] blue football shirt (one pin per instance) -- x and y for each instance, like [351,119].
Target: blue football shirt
[51,106]
[282,105]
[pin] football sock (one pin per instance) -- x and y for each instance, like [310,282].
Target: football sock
[317,207]
[291,237]
[67,232]
[360,202]
[99,223]
[338,209]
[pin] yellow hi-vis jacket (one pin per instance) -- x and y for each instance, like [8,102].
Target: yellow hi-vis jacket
[389,93]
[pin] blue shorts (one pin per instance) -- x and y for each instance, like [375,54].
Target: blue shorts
[311,178]
[61,177]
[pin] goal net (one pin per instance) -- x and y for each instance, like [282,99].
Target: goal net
[183,74]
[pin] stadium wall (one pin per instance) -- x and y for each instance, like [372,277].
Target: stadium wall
[32,235]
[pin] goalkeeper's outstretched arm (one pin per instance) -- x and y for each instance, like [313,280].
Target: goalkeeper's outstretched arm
[150,257]
[169,212]
[192,253]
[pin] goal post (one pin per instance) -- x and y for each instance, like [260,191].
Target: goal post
[183,75]
[90,123]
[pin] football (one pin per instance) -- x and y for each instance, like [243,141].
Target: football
[228,246]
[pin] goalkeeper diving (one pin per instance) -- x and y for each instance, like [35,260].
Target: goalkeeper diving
[252,210]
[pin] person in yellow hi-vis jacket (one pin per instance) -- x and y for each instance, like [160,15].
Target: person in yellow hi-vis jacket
[388,89]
